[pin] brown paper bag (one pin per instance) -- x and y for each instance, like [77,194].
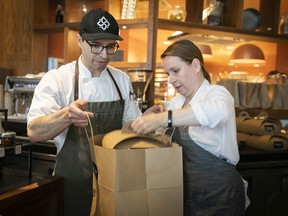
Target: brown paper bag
[253,95]
[146,182]
[278,94]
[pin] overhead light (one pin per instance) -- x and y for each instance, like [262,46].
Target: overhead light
[167,42]
[176,33]
[248,54]
[205,50]
[229,47]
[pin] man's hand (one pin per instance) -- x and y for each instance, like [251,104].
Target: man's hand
[77,115]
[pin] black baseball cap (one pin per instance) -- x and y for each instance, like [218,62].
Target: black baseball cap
[99,24]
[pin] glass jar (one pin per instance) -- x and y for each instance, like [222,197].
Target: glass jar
[284,25]
[177,13]
[215,12]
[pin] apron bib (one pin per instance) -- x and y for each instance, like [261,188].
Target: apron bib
[74,161]
[212,186]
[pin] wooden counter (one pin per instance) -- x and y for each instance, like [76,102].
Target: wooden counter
[267,175]
[40,195]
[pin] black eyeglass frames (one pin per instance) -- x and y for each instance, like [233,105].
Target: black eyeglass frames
[98,48]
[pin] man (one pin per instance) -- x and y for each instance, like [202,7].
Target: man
[65,98]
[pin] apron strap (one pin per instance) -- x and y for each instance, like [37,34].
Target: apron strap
[117,87]
[76,84]
[91,142]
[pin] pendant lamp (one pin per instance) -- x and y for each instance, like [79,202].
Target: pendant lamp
[205,50]
[248,54]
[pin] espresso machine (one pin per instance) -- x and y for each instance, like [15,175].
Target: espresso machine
[140,79]
[19,91]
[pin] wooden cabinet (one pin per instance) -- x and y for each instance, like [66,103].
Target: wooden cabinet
[144,36]
[36,196]
[267,175]
[57,40]
[268,190]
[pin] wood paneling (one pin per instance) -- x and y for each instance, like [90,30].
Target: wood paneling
[39,53]
[40,12]
[71,48]
[233,13]
[270,15]
[281,58]
[56,47]
[16,35]
[196,7]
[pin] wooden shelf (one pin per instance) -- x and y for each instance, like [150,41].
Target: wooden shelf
[187,27]
[278,114]
[128,65]
[55,27]
[59,27]
[203,29]
[193,26]
[133,23]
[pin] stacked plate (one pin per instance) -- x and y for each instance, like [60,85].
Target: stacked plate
[251,19]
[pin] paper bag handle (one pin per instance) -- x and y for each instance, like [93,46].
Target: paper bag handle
[91,146]
[94,167]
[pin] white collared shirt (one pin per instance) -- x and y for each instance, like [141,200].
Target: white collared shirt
[56,91]
[213,107]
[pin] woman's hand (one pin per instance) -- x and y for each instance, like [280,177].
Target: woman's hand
[149,122]
[77,115]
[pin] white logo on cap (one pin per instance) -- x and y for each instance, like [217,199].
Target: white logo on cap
[103,23]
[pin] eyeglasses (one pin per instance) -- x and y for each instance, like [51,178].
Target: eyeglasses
[98,48]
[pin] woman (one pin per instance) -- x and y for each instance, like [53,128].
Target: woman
[203,123]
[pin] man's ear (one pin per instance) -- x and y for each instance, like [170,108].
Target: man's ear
[80,40]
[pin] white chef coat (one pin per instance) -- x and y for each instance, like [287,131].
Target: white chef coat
[56,91]
[213,106]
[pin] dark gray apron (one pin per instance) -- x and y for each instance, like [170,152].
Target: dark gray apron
[74,161]
[212,186]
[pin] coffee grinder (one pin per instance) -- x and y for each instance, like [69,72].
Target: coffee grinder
[140,79]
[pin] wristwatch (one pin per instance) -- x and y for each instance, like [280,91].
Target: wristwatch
[169,118]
